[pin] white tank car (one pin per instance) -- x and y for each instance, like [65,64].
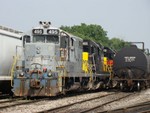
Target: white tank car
[9,39]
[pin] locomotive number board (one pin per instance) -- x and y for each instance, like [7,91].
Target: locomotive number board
[53,31]
[49,31]
[37,31]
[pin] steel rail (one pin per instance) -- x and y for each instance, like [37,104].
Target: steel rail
[99,106]
[68,105]
[21,103]
[143,107]
[11,100]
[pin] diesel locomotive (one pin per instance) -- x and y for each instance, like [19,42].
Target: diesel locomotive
[132,68]
[55,62]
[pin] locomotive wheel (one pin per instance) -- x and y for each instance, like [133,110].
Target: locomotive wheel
[138,86]
[64,92]
[121,86]
[114,84]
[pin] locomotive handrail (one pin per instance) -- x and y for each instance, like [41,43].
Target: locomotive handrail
[12,69]
[17,49]
[146,49]
[143,46]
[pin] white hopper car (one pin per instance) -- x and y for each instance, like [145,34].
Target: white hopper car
[9,39]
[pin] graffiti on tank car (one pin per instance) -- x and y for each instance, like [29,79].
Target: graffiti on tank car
[129,58]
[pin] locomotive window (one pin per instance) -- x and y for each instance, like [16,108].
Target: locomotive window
[80,44]
[46,38]
[85,48]
[98,51]
[109,55]
[63,42]
[52,39]
[72,42]
[92,49]
[38,38]
[26,39]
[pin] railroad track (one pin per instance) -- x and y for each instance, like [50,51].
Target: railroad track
[99,107]
[3,96]
[65,107]
[17,102]
[10,103]
[138,108]
[10,100]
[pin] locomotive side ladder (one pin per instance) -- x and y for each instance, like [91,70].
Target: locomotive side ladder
[61,68]
[15,58]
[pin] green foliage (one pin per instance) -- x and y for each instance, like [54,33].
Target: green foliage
[117,43]
[96,33]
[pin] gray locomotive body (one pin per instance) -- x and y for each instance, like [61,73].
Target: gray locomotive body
[54,62]
[132,68]
[50,54]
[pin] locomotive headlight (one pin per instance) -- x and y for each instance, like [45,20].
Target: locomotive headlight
[38,48]
[49,74]
[21,74]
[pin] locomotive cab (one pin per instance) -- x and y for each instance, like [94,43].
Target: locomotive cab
[108,59]
[94,55]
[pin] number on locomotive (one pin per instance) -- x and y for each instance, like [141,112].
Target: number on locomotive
[53,31]
[37,31]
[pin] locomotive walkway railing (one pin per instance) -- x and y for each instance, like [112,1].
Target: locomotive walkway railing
[12,69]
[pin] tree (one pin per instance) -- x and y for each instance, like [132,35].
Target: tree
[117,43]
[95,33]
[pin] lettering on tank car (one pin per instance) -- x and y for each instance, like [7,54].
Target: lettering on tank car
[129,58]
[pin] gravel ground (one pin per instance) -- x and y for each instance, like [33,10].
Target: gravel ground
[47,104]
[143,96]
[93,103]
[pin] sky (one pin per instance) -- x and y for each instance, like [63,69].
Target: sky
[125,19]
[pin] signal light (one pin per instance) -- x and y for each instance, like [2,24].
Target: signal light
[44,69]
